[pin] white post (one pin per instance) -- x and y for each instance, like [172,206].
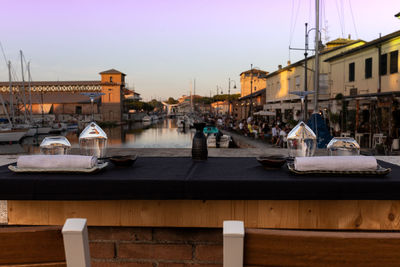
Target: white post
[233,243]
[76,243]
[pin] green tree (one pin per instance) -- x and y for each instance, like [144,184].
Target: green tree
[155,104]
[171,100]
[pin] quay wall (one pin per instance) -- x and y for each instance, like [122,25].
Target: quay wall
[155,247]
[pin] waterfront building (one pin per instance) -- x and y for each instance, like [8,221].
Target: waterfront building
[366,86]
[282,82]
[220,107]
[252,93]
[65,98]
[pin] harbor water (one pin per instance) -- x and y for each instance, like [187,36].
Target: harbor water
[157,134]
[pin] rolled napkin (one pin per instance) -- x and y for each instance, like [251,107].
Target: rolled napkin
[336,163]
[56,162]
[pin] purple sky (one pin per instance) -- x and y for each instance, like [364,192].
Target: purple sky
[164,44]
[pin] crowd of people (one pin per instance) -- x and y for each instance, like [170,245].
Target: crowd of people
[274,132]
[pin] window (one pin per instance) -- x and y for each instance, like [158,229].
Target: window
[351,72]
[297,82]
[394,56]
[78,110]
[111,79]
[383,65]
[368,68]
[109,97]
[323,83]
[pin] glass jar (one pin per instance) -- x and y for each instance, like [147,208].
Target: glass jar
[93,141]
[301,141]
[343,146]
[55,145]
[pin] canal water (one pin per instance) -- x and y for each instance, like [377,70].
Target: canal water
[159,134]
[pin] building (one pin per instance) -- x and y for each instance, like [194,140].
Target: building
[252,93]
[252,81]
[220,107]
[281,83]
[366,86]
[67,98]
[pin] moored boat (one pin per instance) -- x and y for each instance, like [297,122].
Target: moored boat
[8,135]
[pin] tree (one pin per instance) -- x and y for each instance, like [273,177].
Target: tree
[171,101]
[155,104]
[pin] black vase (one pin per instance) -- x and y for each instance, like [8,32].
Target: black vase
[199,145]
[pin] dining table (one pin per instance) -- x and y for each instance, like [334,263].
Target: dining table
[181,192]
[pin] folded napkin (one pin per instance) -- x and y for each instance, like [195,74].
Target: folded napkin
[336,163]
[56,162]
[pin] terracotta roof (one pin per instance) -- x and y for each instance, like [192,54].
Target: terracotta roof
[53,83]
[55,98]
[255,71]
[112,71]
[372,43]
[256,93]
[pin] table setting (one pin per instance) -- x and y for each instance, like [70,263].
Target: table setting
[343,156]
[54,155]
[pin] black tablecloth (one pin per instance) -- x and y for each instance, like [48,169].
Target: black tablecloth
[182,178]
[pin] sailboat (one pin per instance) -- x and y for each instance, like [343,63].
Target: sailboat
[9,133]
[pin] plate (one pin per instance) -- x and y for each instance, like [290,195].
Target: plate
[273,161]
[380,171]
[125,161]
[97,168]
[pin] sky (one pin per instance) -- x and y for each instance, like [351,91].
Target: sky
[163,45]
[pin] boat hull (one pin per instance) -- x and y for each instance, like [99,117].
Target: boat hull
[12,135]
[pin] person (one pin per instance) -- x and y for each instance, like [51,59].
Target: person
[241,126]
[275,134]
[255,130]
[265,131]
[282,137]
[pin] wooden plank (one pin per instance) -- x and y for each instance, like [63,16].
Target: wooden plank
[312,248]
[51,264]
[31,245]
[280,214]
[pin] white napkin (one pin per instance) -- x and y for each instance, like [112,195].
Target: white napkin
[336,163]
[56,162]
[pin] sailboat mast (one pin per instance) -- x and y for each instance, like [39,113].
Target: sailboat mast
[23,85]
[30,94]
[11,93]
[316,72]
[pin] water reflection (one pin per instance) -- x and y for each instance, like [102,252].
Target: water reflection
[160,134]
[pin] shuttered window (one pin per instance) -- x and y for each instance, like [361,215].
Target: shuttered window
[394,56]
[383,65]
[351,72]
[368,68]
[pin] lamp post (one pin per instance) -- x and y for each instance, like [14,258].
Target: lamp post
[229,94]
[251,90]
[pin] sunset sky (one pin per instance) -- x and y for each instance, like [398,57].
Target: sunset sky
[162,45]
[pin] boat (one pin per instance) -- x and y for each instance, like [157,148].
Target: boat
[58,127]
[184,121]
[8,135]
[215,138]
[43,129]
[146,118]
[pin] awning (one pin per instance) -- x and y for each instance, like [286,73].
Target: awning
[265,113]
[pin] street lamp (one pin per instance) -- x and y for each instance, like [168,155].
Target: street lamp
[229,94]
[397,15]
[251,89]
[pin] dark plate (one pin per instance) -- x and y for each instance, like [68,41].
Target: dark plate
[273,161]
[126,160]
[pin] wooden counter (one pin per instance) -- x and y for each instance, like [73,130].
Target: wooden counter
[176,192]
